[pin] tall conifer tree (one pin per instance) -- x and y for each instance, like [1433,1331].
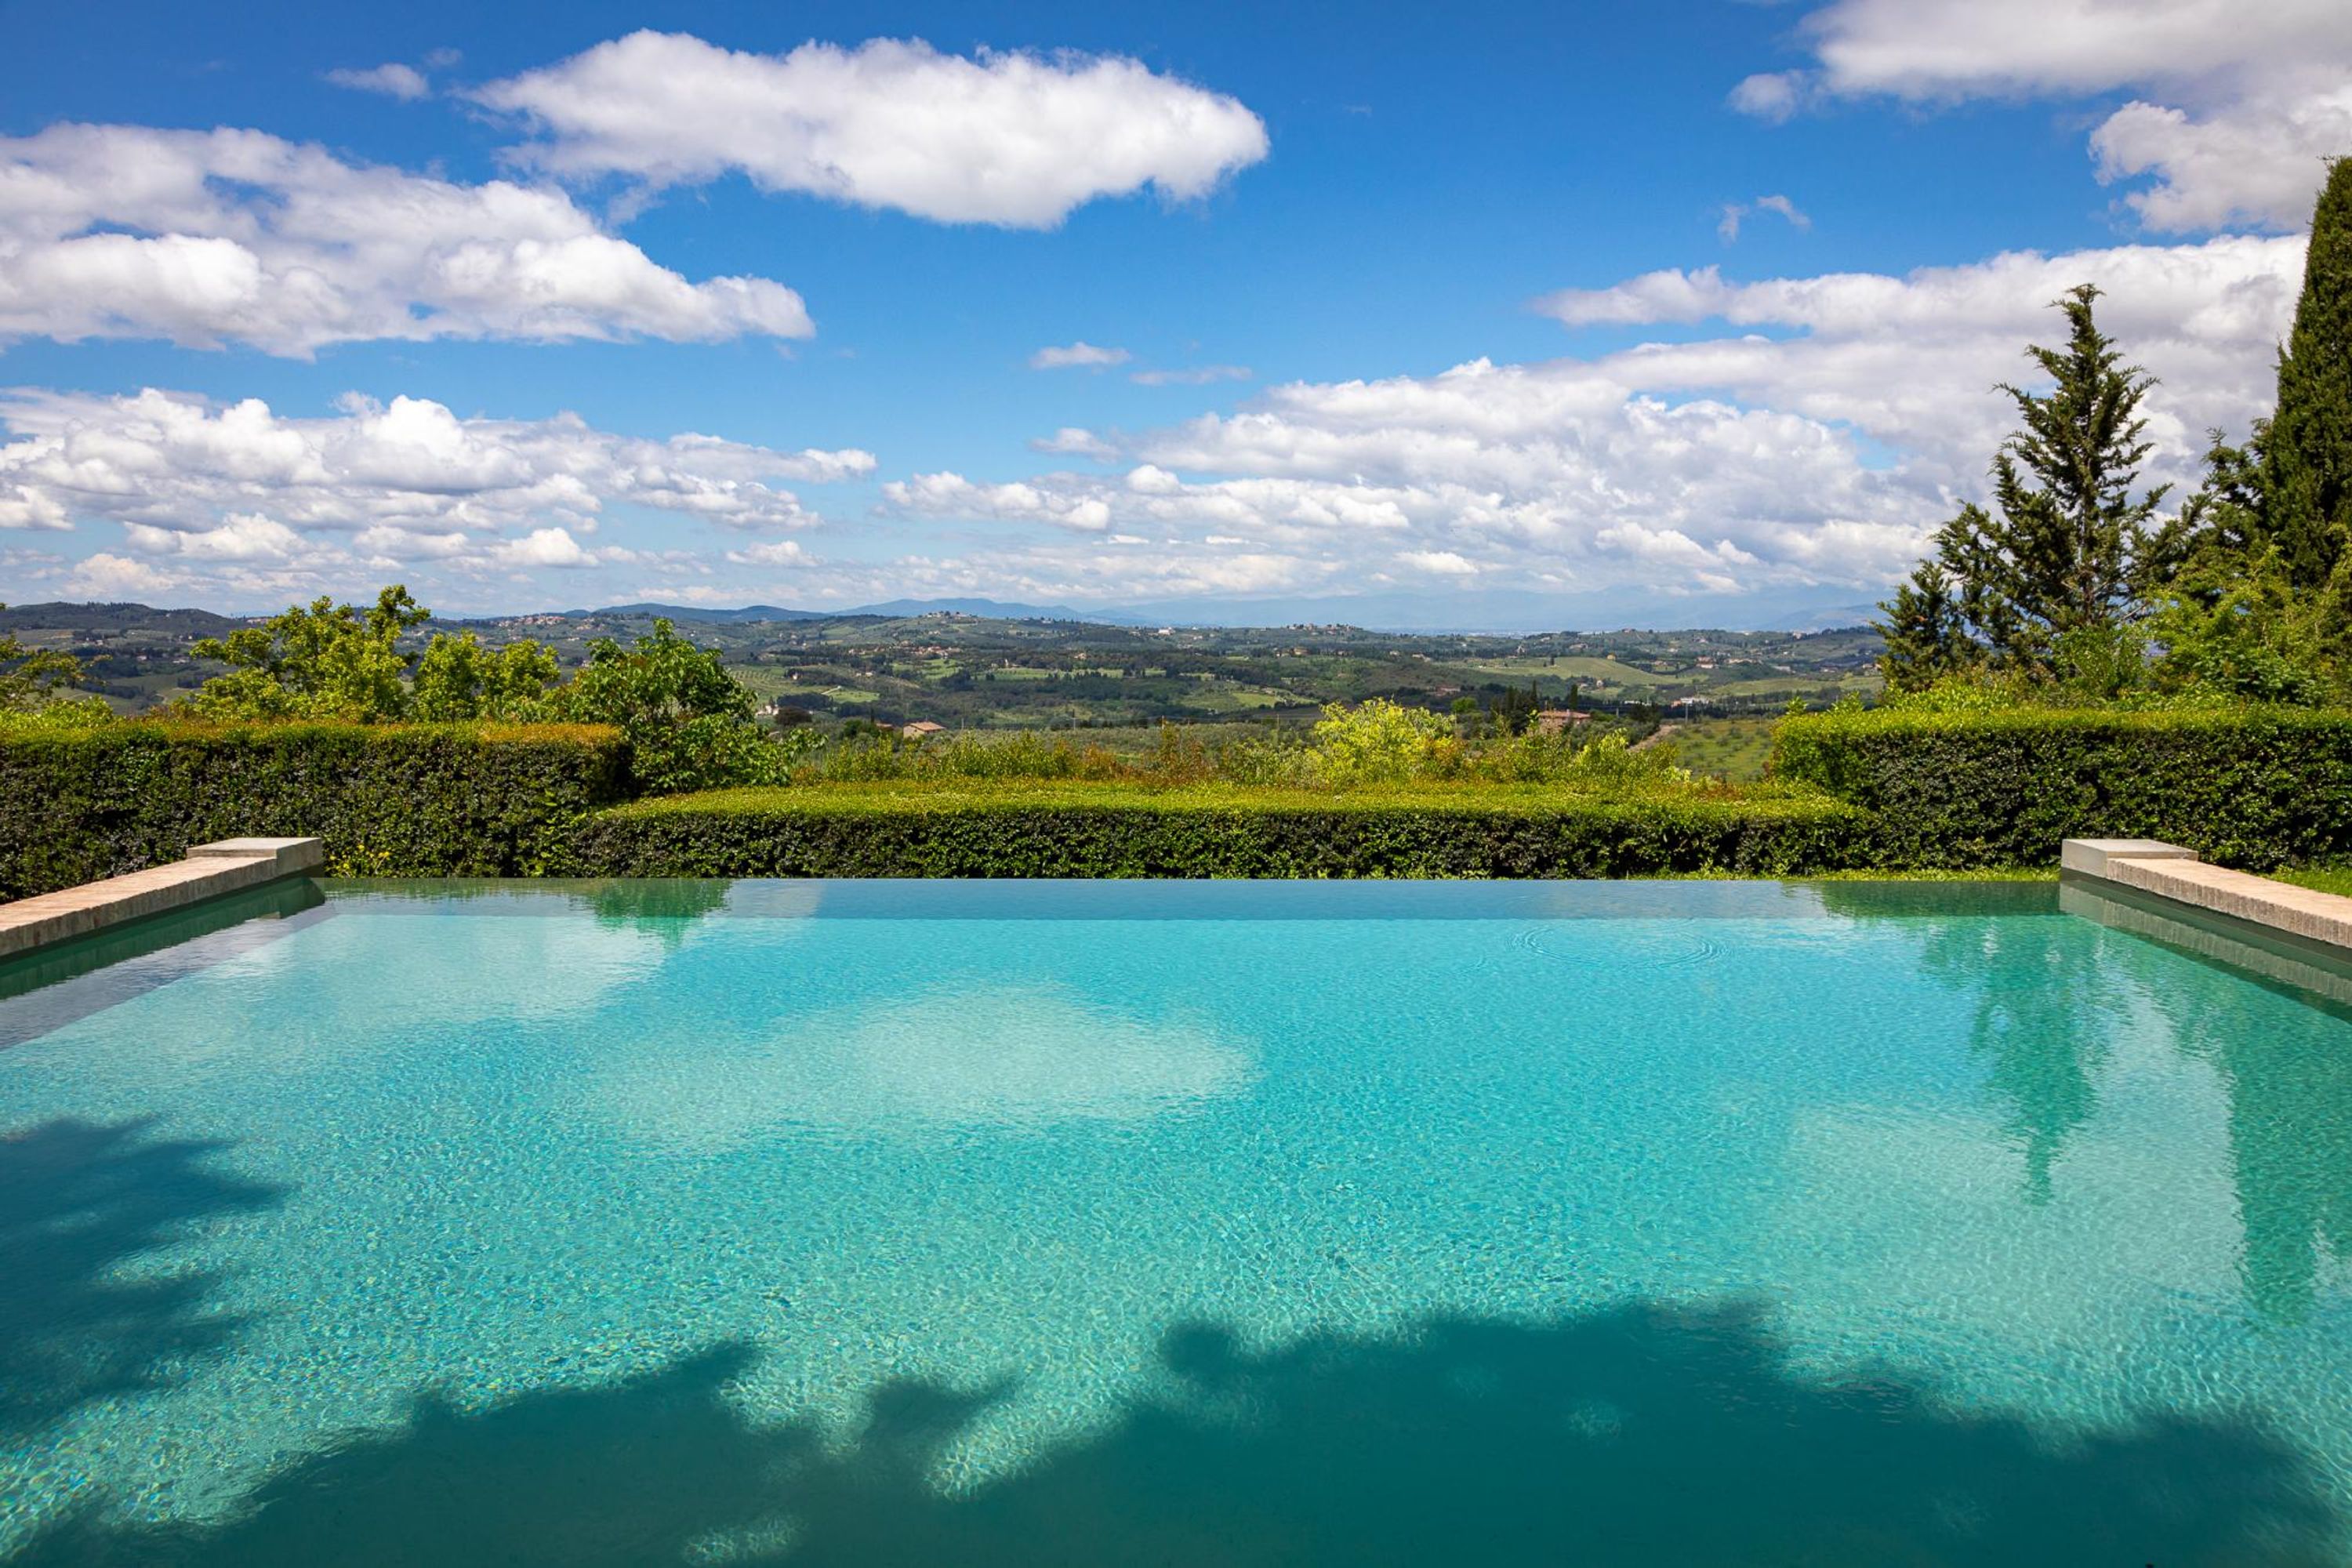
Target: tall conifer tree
[1925,636]
[2307,448]
[2067,547]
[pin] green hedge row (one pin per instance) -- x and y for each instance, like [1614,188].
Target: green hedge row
[1122,831]
[2258,787]
[398,800]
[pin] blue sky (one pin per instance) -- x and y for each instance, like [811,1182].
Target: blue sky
[1732,283]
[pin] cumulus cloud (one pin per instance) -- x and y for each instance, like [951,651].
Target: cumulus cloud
[1737,213]
[773,552]
[2244,99]
[236,495]
[219,237]
[1051,500]
[1812,442]
[2258,162]
[1014,139]
[1770,95]
[394,80]
[1079,354]
[1910,360]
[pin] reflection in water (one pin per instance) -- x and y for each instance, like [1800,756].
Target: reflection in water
[1633,1436]
[2043,1004]
[2290,1088]
[2291,1141]
[662,908]
[458,1323]
[1003,1057]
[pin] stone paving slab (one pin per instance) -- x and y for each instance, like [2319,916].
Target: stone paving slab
[2169,871]
[209,871]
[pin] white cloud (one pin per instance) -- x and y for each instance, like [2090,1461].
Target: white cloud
[2258,162]
[110,577]
[218,236]
[1812,443]
[241,536]
[1953,49]
[1079,354]
[1073,442]
[1193,376]
[773,552]
[555,547]
[950,494]
[394,80]
[234,498]
[1770,95]
[1014,139]
[1737,213]
[1437,564]
[2252,95]
[1911,361]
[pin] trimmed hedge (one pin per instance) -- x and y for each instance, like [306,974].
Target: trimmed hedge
[420,800]
[1115,830]
[2252,787]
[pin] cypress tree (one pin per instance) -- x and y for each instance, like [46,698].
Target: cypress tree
[1925,636]
[2067,547]
[2306,450]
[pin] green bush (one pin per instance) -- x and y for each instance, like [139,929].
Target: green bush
[79,804]
[1051,829]
[2249,786]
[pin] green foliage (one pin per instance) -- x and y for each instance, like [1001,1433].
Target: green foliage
[1053,829]
[1021,754]
[339,663]
[1514,712]
[323,661]
[2249,636]
[2263,604]
[408,800]
[2307,448]
[2251,787]
[2067,547]
[458,679]
[1379,743]
[1926,635]
[35,682]
[688,720]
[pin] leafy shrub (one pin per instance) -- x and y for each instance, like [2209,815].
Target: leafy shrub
[331,661]
[1049,829]
[1017,754]
[2251,787]
[688,720]
[80,804]
[34,681]
[1380,741]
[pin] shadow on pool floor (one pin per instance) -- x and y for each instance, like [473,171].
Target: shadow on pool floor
[1633,1436]
[79,1200]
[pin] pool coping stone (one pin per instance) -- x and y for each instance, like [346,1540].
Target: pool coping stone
[2169,871]
[209,871]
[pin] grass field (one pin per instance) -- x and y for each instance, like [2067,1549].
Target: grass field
[1734,749]
[2320,879]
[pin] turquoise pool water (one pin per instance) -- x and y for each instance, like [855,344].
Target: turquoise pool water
[880,1223]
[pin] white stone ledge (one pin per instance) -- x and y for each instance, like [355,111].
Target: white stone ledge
[2168,871]
[209,871]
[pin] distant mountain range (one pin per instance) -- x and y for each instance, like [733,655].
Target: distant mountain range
[1489,614]
[896,609]
[1496,613]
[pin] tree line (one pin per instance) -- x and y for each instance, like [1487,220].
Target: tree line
[2075,584]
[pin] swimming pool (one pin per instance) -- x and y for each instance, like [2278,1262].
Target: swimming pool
[1112,1222]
